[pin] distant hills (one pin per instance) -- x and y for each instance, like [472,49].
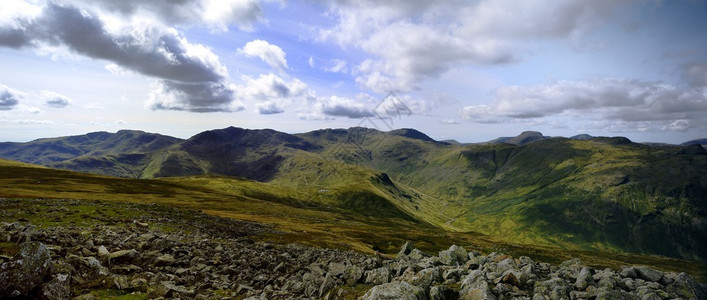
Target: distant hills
[582,192]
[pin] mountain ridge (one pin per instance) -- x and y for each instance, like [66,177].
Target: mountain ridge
[583,193]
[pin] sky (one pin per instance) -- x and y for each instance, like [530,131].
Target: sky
[454,69]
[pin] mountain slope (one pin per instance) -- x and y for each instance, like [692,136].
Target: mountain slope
[589,193]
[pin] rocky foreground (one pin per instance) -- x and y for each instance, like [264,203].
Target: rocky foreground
[223,263]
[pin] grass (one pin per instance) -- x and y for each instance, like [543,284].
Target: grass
[306,217]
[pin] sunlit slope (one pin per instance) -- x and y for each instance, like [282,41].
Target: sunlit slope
[599,193]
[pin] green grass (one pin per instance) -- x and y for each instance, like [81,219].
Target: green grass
[310,217]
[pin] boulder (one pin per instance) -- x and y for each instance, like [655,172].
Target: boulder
[405,250]
[57,288]
[353,274]
[454,256]
[584,279]
[648,274]
[395,290]
[25,271]
[441,292]
[123,256]
[378,276]
[685,286]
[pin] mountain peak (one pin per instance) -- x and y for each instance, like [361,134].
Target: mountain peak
[412,133]
[524,138]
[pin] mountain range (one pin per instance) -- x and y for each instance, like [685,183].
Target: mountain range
[584,192]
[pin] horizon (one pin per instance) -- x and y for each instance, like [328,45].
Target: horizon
[336,128]
[471,71]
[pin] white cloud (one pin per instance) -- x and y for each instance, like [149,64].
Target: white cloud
[216,14]
[270,54]
[411,41]
[629,101]
[185,71]
[55,100]
[271,93]
[327,107]
[336,66]
[9,98]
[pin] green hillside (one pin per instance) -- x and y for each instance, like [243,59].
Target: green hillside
[585,194]
[339,219]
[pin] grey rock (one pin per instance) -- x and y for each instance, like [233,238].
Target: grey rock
[378,276]
[613,295]
[685,286]
[629,272]
[584,279]
[405,249]
[425,278]
[123,256]
[164,260]
[417,255]
[648,274]
[454,256]
[441,292]
[477,294]
[88,271]
[25,271]
[336,269]
[57,288]
[395,291]
[353,274]
[328,284]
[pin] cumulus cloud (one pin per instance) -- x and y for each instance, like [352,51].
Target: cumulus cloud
[194,96]
[623,100]
[8,98]
[189,76]
[334,106]
[55,100]
[271,93]
[415,40]
[217,14]
[270,54]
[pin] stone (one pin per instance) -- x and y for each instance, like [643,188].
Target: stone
[405,249]
[89,271]
[25,271]
[629,272]
[416,255]
[511,279]
[505,265]
[685,286]
[395,290]
[336,269]
[613,295]
[327,285]
[477,294]
[584,279]
[425,278]
[441,292]
[454,256]
[648,274]
[378,276]
[57,288]
[123,256]
[353,274]
[119,282]
[164,260]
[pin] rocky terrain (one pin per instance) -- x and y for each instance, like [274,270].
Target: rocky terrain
[209,261]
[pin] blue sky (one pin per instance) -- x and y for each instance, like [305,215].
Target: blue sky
[465,70]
